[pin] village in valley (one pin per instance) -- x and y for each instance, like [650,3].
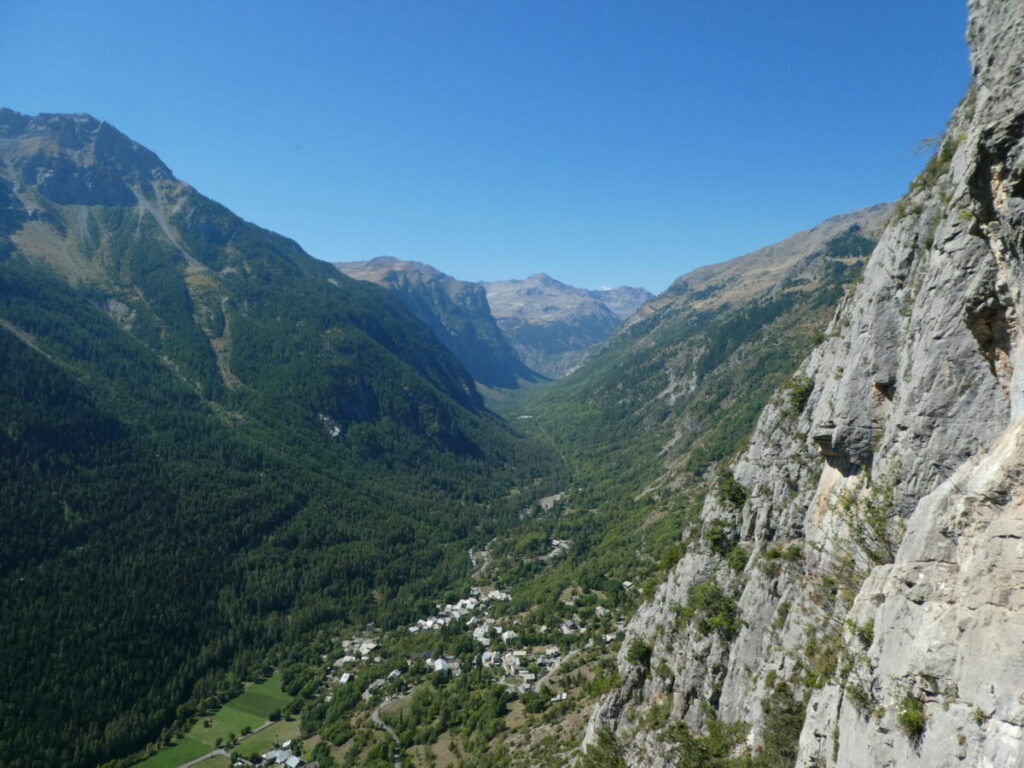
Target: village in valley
[375,684]
[514,666]
[484,676]
[497,674]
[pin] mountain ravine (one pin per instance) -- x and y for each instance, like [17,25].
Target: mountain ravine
[510,332]
[876,619]
[553,325]
[456,311]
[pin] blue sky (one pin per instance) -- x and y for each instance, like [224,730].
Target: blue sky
[605,143]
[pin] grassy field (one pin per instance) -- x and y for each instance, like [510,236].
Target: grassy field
[217,761]
[182,751]
[226,722]
[262,698]
[261,742]
[398,707]
[250,709]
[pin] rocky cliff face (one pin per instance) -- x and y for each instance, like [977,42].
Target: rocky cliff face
[622,301]
[455,310]
[860,569]
[552,325]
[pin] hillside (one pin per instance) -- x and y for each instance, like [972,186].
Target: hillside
[212,444]
[874,618]
[679,386]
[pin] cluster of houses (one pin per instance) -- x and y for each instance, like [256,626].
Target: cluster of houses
[464,607]
[520,667]
[515,663]
[558,547]
[282,756]
[356,649]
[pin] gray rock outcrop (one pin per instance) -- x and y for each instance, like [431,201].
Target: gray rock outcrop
[553,325]
[881,511]
[456,311]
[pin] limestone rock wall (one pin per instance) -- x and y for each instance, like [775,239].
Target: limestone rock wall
[916,399]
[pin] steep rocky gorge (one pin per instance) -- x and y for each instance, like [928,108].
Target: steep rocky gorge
[862,561]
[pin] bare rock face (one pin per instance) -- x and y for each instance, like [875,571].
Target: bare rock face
[77,159]
[456,311]
[553,325]
[880,498]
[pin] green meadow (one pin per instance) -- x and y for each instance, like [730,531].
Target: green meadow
[251,709]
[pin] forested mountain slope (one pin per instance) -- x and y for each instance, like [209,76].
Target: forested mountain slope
[210,443]
[875,616]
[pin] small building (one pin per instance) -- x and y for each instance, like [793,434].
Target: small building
[283,757]
[510,664]
[367,647]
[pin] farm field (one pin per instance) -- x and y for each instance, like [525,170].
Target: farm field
[261,742]
[182,751]
[250,709]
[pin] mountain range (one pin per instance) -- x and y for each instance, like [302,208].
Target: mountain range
[508,332]
[553,325]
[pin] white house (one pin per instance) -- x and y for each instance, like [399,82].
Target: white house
[510,664]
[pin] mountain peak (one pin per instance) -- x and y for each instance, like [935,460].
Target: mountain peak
[77,159]
[547,281]
[381,269]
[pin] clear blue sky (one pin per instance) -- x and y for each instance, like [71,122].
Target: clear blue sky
[605,143]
